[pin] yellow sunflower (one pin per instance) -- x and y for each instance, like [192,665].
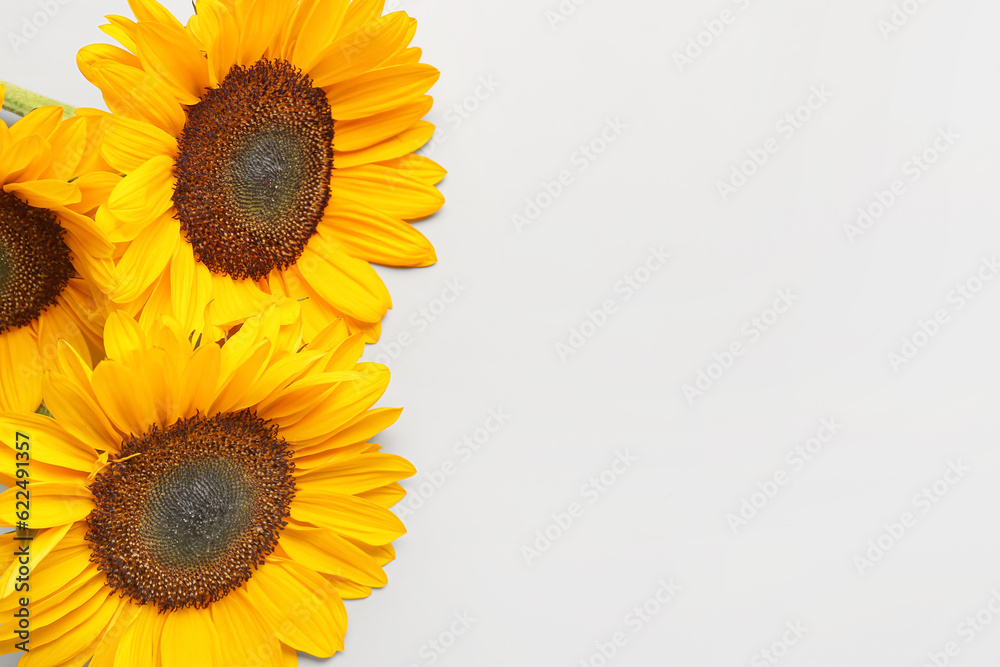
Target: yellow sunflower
[268,152]
[199,504]
[53,258]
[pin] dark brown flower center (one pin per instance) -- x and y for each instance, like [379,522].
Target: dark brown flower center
[253,169]
[198,506]
[35,263]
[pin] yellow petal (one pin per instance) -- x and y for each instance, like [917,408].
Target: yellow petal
[150,10]
[95,188]
[41,121]
[48,504]
[358,474]
[40,547]
[56,619]
[24,159]
[360,429]
[244,638]
[77,639]
[139,642]
[107,644]
[131,412]
[141,197]
[380,90]
[122,30]
[171,51]
[349,590]
[20,371]
[347,401]
[70,397]
[124,339]
[278,375]
[190,288]
[353,135]
[189,639]
[238,374]
[91,242]
[70,148]
[361,12]
[387,190]
[418,167]
[349,516]
[133,93]
[47,440]
[385,496]
[131,143]
[375,237]
[146,258]
[236,300]
[216,27]
[300,606]
[200,379]
[301,395]
[350,285]
[360,50]
[45,194]
[325,551]
[398,146]
[336,337]
[61,569]
[310,30]
[155,302]
[261,22]
[410,56]
[61,325]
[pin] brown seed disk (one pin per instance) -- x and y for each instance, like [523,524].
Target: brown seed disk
[35,262]
[195,510]
[253,169]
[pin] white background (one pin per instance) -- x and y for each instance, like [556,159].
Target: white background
[555,87]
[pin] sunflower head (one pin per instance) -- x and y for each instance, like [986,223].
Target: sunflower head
[54,259]
[202,502]
[268,152]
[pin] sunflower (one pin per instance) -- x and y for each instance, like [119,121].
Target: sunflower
[201,504]
[268,152]
[53,258]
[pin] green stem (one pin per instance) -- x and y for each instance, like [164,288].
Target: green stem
[20,101]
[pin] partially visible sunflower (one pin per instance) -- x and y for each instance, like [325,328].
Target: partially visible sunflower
[202,504]
[268,152]
[54,261]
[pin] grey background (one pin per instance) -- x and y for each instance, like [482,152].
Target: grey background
[555,87]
